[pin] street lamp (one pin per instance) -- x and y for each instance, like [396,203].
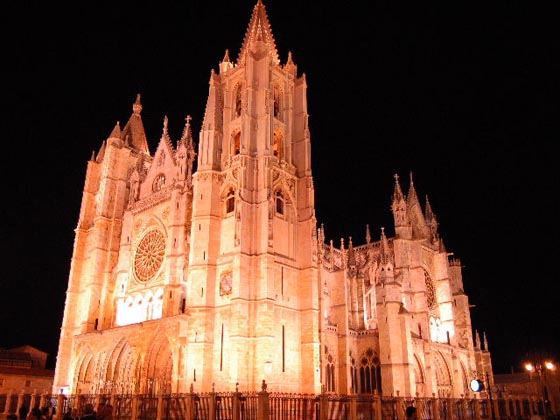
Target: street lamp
[477,385]
[541,368]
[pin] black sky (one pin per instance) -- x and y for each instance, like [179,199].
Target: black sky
[463,95]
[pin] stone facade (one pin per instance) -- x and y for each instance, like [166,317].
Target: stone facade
[23,371]
[214,274]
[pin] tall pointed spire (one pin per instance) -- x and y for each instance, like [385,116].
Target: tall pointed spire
[412,197]
[351,256]
[399,207]
[133,133]
[165,131]
[259,32]
[397,194]
[431,219]
[419,227]
[186,153]
[384,252]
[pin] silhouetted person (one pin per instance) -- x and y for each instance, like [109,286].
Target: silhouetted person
[105,412]
[68,415]
[23,411]
[411,413]
[89,413]
[35,414]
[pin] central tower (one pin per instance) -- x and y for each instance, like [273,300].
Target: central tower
[252,291]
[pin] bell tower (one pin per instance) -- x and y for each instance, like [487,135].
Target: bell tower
[253,282]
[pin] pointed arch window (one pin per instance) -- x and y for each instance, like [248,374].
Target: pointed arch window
[237,107]
[277,99]
[236,143]
[329,373]
[230,201]
[279,199]
[370,372]
[354,376]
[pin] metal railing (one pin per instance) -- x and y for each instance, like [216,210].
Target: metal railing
[271,406]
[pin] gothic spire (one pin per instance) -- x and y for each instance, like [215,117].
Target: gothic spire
[351,257]
[226,63]
[165,132]
[431,219]
[187,132]
[397,194]
[428,212]
[420,228]
[399,206]
[384,253]
[412,197]
[290,65]
[133,133]
[116,133]
[186,153]
[259,35]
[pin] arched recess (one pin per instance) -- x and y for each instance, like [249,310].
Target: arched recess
[158,365]
[278,145]
[85,382]
[289,209]
[228,197]
[283,217]
[419,376]
[464,380]
[277,99]
[330,371]
[124,368]
[235,148]
[237,103]
[444,380]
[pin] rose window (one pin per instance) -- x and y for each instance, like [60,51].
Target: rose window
[149,255]
[430,292]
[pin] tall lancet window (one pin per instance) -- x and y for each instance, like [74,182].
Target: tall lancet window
[230,201]
[237,107]
[277,103]
[330,379]
[279,202]
[370,372]
[236,144]
[277,146]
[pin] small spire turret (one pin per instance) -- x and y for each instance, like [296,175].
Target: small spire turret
[186,152]
[351,256]
[226,63]
[399,207]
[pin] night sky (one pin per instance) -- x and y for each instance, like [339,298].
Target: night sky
[462,95]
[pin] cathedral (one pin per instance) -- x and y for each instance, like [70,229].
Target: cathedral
[202,265]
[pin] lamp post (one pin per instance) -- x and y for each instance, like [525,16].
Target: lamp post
[478,386]
[490,396]
[541,368]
